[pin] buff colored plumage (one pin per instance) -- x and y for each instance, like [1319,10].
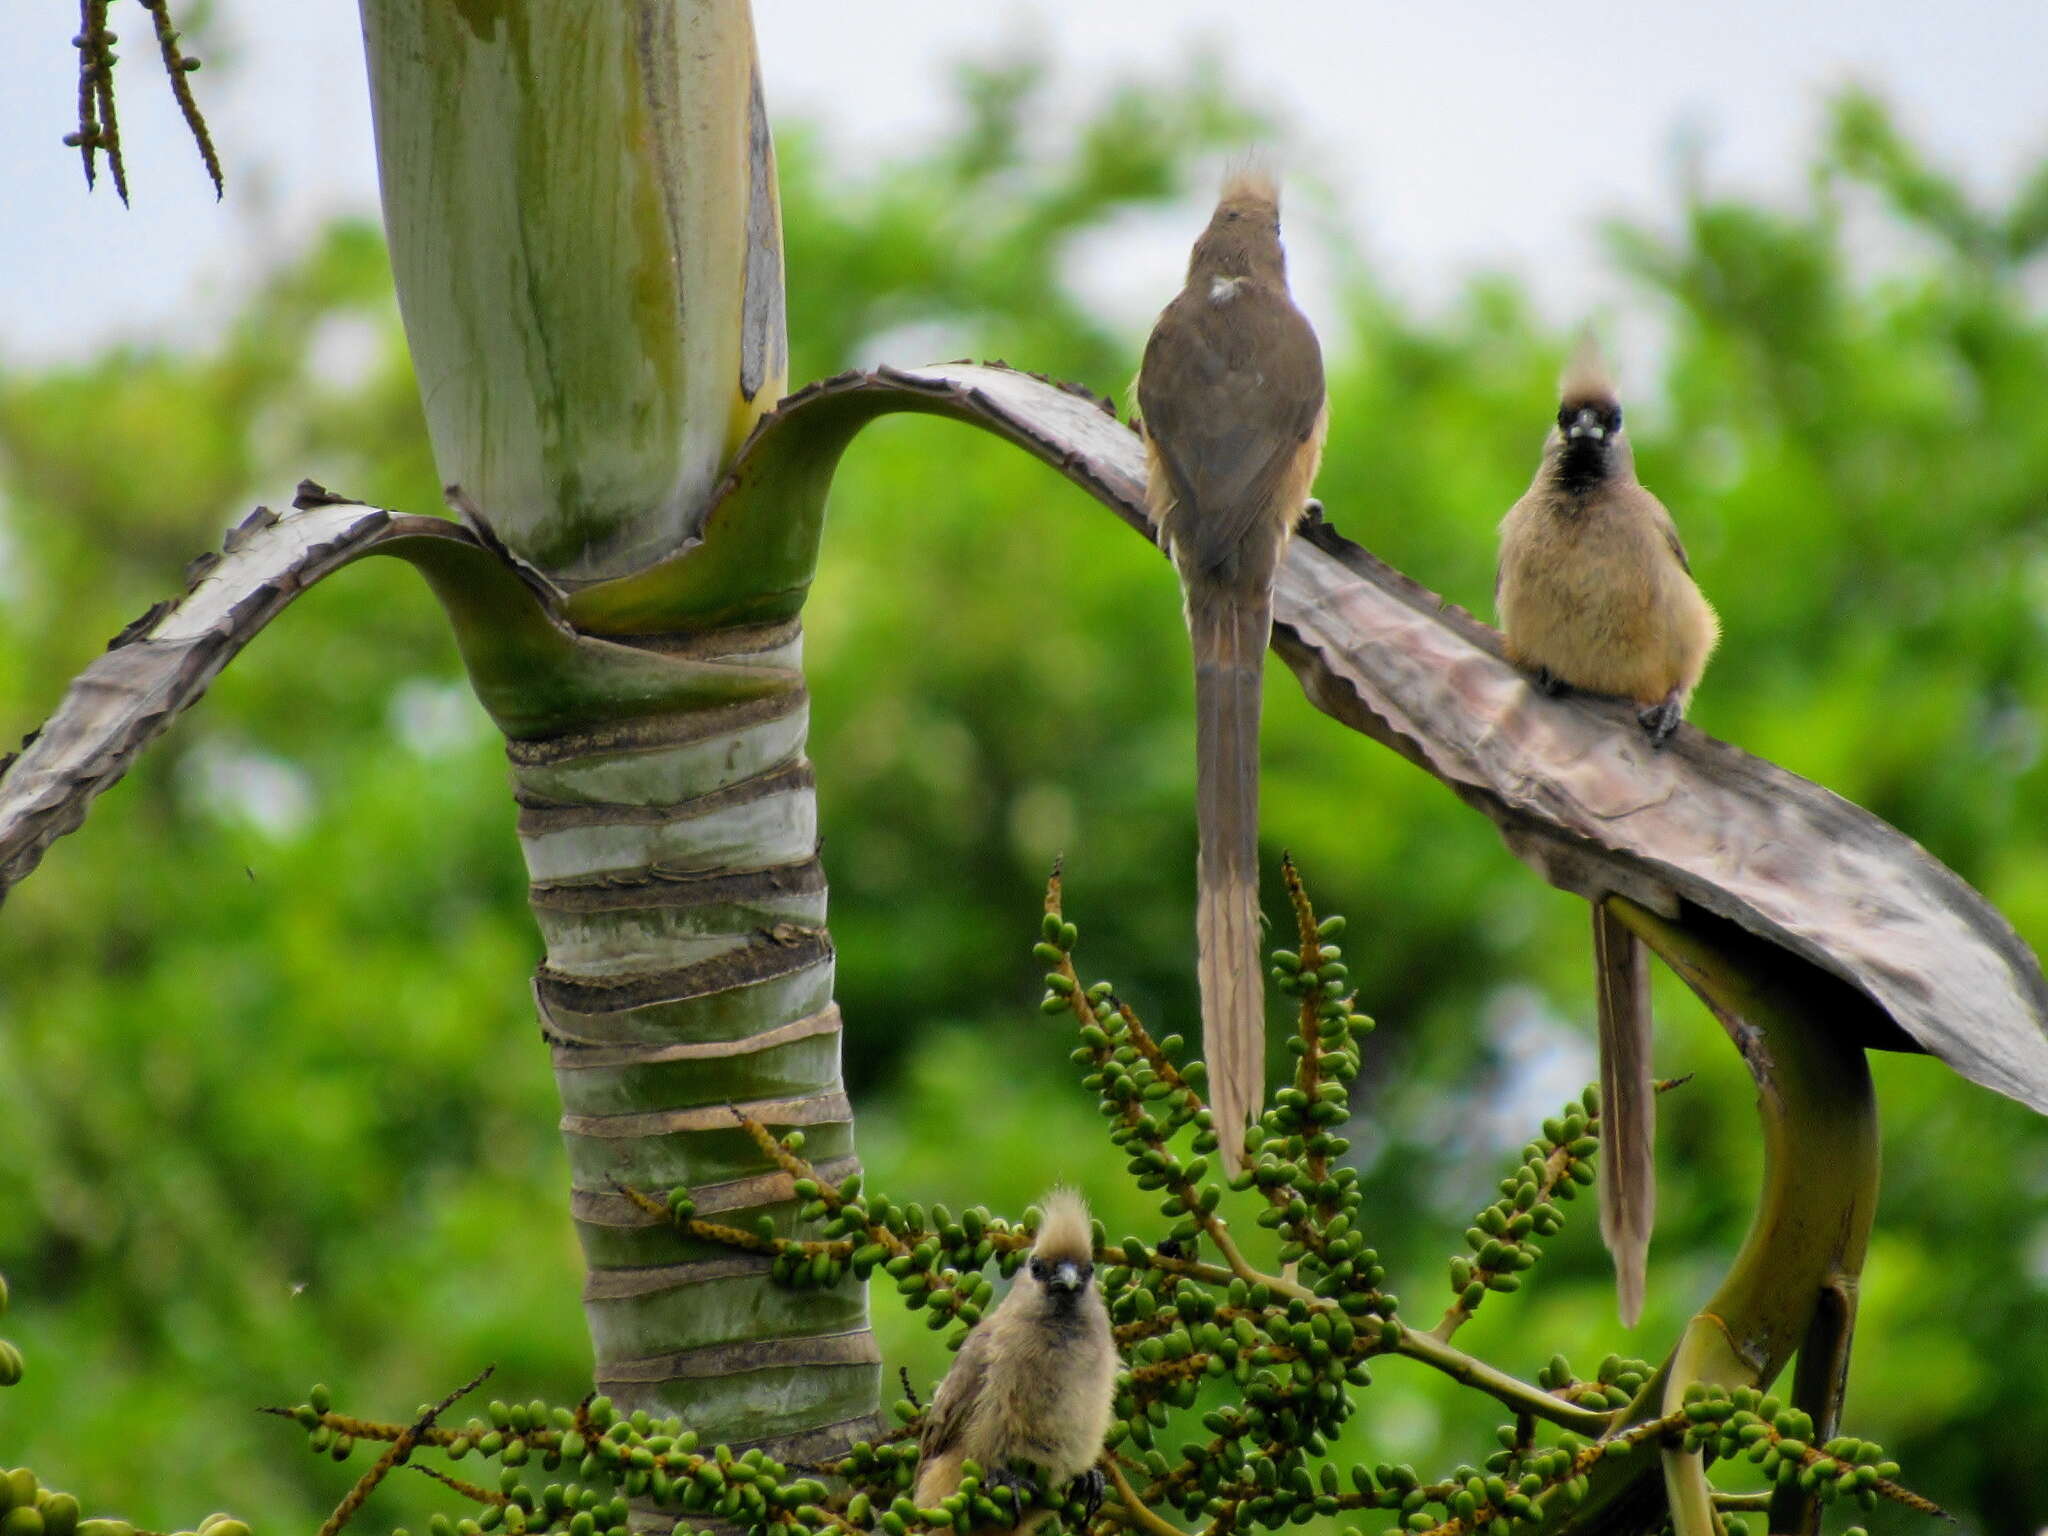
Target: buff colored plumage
[1595,593]
[1035,1382]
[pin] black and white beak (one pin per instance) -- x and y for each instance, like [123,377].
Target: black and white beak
[1586,424]
[1066,1276]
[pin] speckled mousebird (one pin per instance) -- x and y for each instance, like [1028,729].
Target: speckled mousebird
[1035,1381]
[1595,593]
[1232,398]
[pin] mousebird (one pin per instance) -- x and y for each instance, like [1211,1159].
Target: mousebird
[1231,395]
[1035,1381]
[1595,593]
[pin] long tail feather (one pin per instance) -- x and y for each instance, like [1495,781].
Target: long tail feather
[1230,633]
[1628,1107]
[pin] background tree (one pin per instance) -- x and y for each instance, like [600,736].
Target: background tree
[1861,378]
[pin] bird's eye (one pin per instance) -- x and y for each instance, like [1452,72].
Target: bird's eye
[1232,216]
[1614,419]
[1564,418]
[1040,1269]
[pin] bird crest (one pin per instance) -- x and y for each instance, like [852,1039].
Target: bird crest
[1066,1232]
[1586,376]
[1250,180]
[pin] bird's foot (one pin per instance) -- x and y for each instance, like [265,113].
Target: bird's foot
[1020,1485]
[1088,1489]
[1311,513]
[1661,719]
[1548,683]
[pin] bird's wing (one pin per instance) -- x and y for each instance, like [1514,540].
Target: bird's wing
[1227,432]
[1677,544]
[955,1399]
[1513,527]
[1661,516]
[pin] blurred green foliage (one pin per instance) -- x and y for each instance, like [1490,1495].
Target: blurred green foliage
[275,1106]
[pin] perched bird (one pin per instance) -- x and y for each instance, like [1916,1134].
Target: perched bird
[1595,593]
[1231,395]
[1594,589]
[1035,1382]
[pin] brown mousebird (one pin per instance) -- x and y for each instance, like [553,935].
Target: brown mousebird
[1035,1382]
[1595,593]
[1231,392]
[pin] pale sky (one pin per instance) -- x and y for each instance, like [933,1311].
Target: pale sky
[1456,137]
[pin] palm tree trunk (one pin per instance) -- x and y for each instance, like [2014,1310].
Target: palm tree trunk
[675,878]
[582,212]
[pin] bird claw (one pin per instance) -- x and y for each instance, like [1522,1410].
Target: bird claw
[1022,1486]
[1548,683]
[1660,720]
[1311,513]
[1088,1489]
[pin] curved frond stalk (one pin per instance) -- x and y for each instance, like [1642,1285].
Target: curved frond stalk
[161,664]
[1571,786]
[1803,1256]
[584,229]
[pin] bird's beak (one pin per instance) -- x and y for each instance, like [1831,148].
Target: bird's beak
[1066,1277]
[1586,424]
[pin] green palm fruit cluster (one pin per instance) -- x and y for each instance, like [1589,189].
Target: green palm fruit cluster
[1238,1376]
[1779,1440]
[1554,1167]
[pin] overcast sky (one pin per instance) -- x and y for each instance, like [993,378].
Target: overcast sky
[1456,137]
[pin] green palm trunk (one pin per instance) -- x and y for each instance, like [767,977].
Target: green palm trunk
[676,882]
[582,213]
